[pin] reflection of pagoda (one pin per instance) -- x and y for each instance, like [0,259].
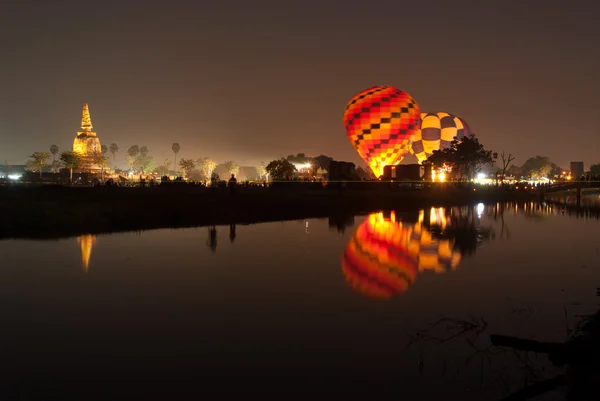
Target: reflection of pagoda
[86,242]
[86,143]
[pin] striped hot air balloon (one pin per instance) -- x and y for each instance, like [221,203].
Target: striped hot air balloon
[384,257]
[380,123]
[437,131]
[375,263]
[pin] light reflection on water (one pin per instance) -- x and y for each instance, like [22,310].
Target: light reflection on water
[293,301]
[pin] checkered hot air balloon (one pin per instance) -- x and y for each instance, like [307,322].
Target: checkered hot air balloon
[384,257]
[430,253]
[376,263]
[436,133]
[380,123]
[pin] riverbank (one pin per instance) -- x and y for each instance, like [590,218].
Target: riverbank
[55,212]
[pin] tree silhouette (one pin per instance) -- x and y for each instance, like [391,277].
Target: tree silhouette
[506,159]
[465,157]
[54,151]
[114,148]
[175,148]
[70,160]
[101,160]
[39,160]
[144,151]
[280,169]
[104,149]
[186,165]
[132,153]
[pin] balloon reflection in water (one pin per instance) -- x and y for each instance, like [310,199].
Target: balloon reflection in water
[384,256]
[86,242]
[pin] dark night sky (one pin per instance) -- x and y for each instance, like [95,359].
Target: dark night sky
[256,80]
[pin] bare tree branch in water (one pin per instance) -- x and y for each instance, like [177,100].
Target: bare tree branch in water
[454,327]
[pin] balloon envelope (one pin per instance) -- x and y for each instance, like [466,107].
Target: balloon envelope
[437,132]
[384,256]
[380,122]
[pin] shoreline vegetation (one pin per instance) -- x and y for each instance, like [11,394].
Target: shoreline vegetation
[53,212]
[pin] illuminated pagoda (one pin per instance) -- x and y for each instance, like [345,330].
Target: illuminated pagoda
[86,143]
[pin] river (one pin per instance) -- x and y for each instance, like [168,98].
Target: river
[397,302]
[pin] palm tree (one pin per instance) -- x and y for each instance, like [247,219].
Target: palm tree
[132,153]
[71,160]
[39,160]
[175,148]
[54,151]
[104,149]
[114,149]
[144,151]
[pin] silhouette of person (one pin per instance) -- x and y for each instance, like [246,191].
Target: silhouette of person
[232,232]
[232,183]
[212,238]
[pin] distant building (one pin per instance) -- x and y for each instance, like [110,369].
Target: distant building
[86,143]
[576,169]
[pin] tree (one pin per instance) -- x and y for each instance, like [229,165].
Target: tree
[537,167]
[144,151]
[167,164]
[161,170]
[595,169]
[464,158]
[70,160]
[144,163]
[175,148]
[104,149]
[114,148]
[280,169]
[132,154]
[54,151]
[322,161]
[232,167]
[261,170]
[207,166]
[186,165]
[101,160]
[506,159]
[39,160]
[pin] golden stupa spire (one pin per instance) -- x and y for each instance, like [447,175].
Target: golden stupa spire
[87,243]
[86,120]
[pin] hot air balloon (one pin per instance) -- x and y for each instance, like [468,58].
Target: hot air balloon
[380,122]
[384,257]
[436,133]
[375,263]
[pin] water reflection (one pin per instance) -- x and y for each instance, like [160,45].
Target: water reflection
[212,238]
[384,256]
[86,242]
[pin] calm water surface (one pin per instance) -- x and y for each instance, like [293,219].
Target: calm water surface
[339,304]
